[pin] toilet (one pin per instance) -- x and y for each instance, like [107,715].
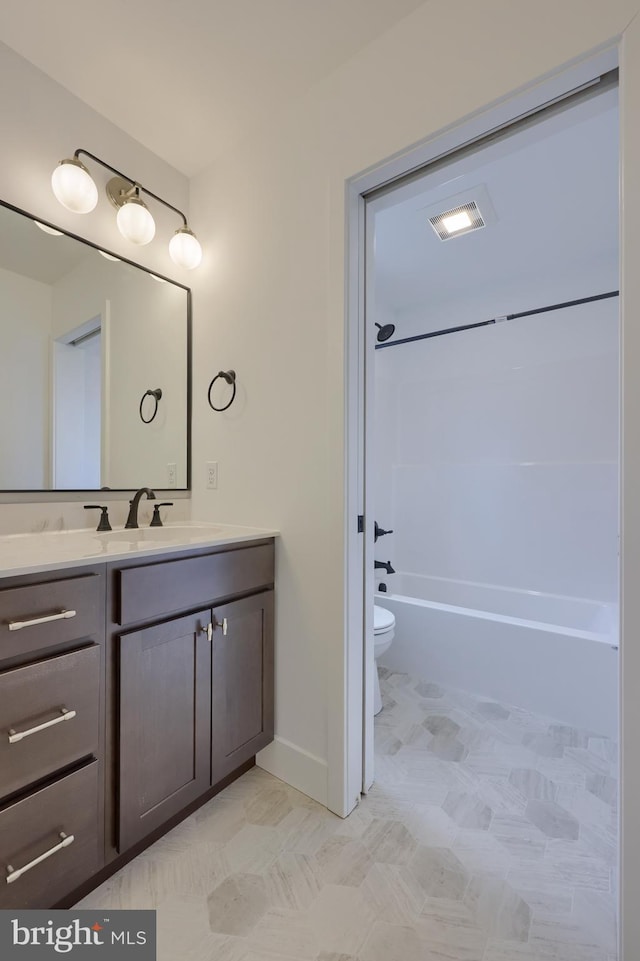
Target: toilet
[384,628]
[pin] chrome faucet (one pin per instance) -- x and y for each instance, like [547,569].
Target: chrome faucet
[132,519]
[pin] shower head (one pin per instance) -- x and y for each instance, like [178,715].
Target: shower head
[384,333]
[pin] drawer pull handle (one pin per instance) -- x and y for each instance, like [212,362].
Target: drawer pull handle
[224,624]
[65,841]
[62,615]
[65,715]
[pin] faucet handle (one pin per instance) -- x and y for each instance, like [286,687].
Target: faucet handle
[379,532]
[156,520]
[103,524]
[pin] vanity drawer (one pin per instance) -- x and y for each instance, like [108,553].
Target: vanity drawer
[34,827]
[32,702]
[154,590]
[42,615]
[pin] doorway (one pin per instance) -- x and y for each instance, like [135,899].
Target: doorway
[492,361]
[77,362]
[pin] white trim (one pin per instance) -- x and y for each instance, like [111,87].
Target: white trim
[629,833]
[367,423]
[345,661]
[345,678]
[500,113]
[302,770]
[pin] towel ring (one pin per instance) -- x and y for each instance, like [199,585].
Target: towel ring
[156,394]
[230,377]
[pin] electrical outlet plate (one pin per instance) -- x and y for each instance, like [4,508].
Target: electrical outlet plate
[212,475]
[172,475]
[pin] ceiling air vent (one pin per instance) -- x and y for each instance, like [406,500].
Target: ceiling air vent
[457,221]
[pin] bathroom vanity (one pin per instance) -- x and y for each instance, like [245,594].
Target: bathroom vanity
[136,680]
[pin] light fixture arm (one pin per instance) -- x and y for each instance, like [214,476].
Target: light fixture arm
[130,180]
[74,187]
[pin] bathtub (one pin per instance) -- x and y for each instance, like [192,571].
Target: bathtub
[555,656]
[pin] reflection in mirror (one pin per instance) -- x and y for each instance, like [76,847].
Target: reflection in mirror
[83,336]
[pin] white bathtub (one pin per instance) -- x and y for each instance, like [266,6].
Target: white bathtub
[552,655]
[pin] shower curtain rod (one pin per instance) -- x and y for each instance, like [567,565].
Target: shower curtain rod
[498,320]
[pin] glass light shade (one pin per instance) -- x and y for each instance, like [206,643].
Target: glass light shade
[48,230]
[135,222]
[73,187]
[185,249]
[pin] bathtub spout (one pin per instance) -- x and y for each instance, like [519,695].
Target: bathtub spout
[385,565]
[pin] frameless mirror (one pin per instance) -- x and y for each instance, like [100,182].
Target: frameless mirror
[94,366]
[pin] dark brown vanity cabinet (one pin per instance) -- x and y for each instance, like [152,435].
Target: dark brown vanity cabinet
[51,735]
[164,724]
[48,716]
[242,682]
[49,839]
[130,693]
[194,697]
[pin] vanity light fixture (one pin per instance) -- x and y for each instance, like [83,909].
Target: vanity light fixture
[48,230]
[134,218]
[75,189]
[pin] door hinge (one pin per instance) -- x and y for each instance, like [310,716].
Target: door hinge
[360,523]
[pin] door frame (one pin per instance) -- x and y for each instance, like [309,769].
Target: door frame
[345,785]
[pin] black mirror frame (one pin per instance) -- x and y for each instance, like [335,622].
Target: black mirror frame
[132,263]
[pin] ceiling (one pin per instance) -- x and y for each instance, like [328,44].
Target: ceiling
[26,250]
[188,79]
[554,190]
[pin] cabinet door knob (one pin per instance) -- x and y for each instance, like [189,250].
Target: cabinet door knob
[208,630]
[224,624]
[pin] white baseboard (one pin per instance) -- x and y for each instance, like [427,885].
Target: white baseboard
[303,771]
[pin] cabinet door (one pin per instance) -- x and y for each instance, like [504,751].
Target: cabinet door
[242,719]
[165,711]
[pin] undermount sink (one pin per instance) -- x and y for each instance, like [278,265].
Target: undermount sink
[165,535]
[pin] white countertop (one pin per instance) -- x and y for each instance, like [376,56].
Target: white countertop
[53,550]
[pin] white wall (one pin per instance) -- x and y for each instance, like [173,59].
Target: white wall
[43,123]
[144,342]
[25,309]
[502,452]
[270,295]
[75,466]
[92,403]
[271,302]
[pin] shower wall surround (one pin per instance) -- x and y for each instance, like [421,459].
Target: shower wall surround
[497,452]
